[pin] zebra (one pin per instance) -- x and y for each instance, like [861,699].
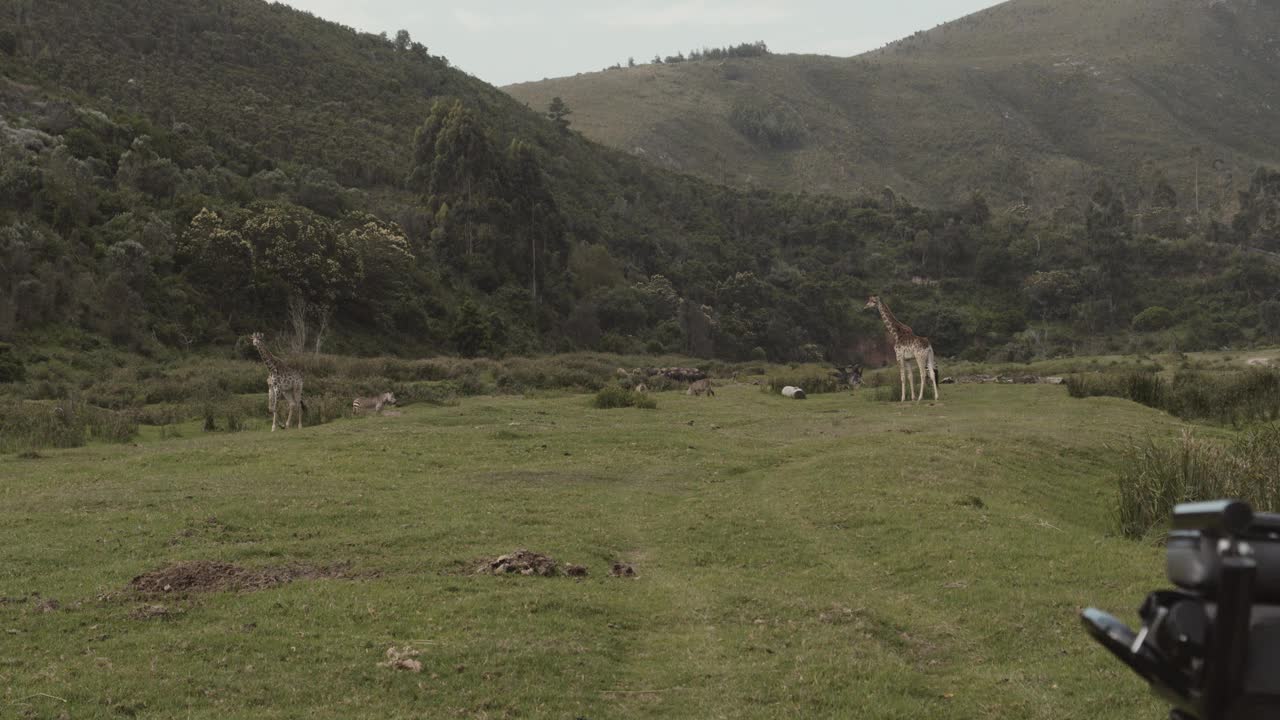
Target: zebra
[701,387]
[372,403]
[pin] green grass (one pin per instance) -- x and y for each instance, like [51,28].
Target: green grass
[833,558]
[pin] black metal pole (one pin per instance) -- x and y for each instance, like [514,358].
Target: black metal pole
[1229,645]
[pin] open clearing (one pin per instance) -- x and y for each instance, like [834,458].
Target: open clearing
[833,557]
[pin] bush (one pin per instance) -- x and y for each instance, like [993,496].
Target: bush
[67,424]
[773,124]
[812,380]
[1158,476]
[11,369]
[610,398]
[1153,318]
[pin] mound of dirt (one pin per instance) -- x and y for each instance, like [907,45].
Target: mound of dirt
[402,659]
[575,570]
[209,576]
[621,569]
[521,561]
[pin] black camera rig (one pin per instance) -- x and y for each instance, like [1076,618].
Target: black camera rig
[1212,647]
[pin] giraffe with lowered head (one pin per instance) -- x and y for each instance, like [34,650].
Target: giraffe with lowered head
[908,345]
[282,380]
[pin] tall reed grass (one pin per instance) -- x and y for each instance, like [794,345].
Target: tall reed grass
[1235,398]
[1159,475]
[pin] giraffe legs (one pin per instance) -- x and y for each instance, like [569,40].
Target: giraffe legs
[924,380]
[902,379]
[911,380]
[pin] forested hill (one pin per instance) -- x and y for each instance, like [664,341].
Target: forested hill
[1031,100]
[179,174]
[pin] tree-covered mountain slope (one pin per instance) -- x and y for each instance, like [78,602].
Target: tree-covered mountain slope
[180,174]
[1031,100]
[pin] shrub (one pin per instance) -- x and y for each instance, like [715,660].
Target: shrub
[772,124]
[1153,318]
[1158,476]
[11,369]
[66,424]
[613,397]
[813,380]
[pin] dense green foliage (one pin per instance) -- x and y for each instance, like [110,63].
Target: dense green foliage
[179,178]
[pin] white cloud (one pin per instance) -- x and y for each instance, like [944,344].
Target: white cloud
[693,12]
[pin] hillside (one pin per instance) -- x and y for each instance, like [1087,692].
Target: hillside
[175,177]
[1019,101]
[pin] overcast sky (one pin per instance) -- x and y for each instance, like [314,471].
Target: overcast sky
[509,41]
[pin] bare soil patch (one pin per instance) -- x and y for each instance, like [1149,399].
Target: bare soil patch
[621,569]
[402,659]
[522,562]
[201,576]
[149,612]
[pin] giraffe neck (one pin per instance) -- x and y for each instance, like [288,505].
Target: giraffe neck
[890,322]
[271,361]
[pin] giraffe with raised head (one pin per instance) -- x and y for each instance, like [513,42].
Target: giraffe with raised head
[908,345]
[282,381]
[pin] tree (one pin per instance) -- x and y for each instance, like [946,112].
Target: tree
[1052,292]
[535,213]
[559,113]
[299,253]
[1153,318]
[217,260]
[455,164]
[470,330]
[403,41]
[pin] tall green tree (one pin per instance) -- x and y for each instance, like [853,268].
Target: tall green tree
[559,112]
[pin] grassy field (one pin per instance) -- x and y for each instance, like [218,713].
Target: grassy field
[835,557]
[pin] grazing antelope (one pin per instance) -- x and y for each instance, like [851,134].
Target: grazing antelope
[702,387]
[372,403]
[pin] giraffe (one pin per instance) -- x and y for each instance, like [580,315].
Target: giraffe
[907,345]
[282,380]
